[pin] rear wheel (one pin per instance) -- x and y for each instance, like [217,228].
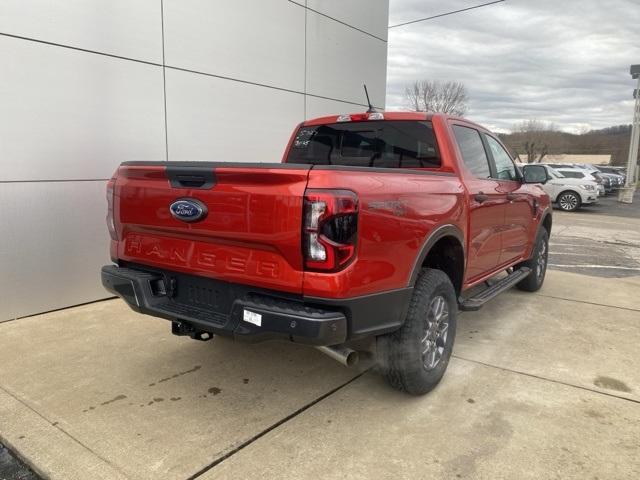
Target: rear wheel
[537,263]
[569,201]
[415,357]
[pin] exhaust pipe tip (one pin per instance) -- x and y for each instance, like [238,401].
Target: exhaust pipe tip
[344,355]
[352,358]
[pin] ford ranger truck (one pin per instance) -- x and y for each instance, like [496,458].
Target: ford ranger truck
[369,236]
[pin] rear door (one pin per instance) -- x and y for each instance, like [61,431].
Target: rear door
[518,207]
[554,185]
[486,205]
[251,233]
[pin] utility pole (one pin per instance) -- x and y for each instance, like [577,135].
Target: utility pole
[625,195]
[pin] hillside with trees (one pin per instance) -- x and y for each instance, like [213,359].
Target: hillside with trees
[536,140]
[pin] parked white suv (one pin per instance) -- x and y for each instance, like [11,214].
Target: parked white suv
[582,174]
[568,194]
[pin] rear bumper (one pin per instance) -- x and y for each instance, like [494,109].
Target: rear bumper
[199,304]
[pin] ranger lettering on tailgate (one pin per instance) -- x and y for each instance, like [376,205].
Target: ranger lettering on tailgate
[188,253]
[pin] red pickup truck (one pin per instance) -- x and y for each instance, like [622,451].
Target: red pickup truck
[368,237]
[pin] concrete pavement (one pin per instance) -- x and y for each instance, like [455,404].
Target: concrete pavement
[542,385]
[140,402]
[481,423]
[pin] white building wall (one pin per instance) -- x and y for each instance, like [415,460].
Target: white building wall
[87,84]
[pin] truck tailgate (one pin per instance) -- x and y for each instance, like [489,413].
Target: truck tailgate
[251,233]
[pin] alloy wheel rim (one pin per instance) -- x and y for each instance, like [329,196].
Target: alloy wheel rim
[568,202]
[436,332]
[541,261]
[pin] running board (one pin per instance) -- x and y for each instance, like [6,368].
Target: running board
[478,300]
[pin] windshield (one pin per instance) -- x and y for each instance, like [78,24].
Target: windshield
[555,173]
[381,144]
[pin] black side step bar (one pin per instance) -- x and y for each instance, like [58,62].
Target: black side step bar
[478,300]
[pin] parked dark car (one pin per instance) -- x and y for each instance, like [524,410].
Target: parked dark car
[615,174]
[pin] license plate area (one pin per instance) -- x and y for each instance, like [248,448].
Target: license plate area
[184,296]
[205,294]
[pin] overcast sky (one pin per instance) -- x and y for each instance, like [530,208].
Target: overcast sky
[560,61]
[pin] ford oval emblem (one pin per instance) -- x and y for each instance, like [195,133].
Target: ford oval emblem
[188,210]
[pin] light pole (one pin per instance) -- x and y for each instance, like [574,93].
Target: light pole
[625,194]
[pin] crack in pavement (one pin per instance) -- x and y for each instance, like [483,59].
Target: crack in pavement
[546,379]
[579,265]
[280,422]
[589,303]
[56,425]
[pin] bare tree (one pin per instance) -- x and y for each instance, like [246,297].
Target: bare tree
[413,95]
[536,138]
[535,152]
[434,96]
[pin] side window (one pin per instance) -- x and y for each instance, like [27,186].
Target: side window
[570,174]
[472,150]
[505,169]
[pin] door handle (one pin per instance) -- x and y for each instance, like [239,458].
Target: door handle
[512,196]
[481,197]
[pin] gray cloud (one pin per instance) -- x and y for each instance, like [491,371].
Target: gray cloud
[565,62]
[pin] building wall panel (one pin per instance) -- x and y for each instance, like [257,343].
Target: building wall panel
[221,120]
[54,240]
[68,114]
[340,59]
[117,27]
[256,41]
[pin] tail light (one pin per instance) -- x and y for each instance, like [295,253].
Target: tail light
[111,225]
[330,229]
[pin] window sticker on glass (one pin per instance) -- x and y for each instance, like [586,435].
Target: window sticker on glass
[303,138]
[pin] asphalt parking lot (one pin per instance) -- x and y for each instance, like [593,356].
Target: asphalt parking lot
[541,385]
[609,205]
[601,240]
[12,469]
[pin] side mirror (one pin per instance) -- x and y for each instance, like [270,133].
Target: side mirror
[534,174]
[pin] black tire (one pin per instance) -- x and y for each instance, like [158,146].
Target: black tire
[539,258]
[569,201]
[400,353]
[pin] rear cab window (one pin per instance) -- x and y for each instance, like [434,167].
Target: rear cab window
[376,144]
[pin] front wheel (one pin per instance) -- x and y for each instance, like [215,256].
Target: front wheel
[537,263]
[569,201]
[414,358]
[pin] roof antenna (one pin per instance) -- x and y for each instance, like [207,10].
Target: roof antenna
[371,107]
